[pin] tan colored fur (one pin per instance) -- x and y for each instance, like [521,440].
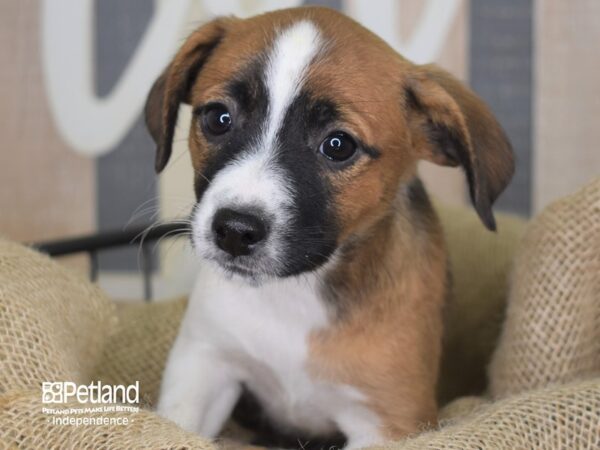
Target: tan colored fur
[390,287]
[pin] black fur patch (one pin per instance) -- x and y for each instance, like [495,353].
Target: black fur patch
[249,90]
[249,414]
[312,235]
[250,95]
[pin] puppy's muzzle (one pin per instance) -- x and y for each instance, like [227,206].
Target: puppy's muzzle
[238,233]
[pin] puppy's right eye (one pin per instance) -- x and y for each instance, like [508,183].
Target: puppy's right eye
[338,147]
[216,119]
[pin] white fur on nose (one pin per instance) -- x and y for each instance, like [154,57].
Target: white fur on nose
[254,179]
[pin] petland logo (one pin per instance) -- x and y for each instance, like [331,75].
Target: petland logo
[63,391]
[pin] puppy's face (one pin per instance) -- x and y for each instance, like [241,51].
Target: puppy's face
[305,129]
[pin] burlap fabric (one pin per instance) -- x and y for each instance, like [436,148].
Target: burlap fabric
[139,348]
[22,425]
[53,324]
[552,331]
[563,417]
[56,326]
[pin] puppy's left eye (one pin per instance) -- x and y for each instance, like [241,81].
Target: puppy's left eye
[217,119]
[338,146]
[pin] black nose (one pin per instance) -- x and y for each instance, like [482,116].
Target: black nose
[237,233]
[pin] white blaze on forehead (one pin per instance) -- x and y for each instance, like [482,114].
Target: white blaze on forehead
[293,50]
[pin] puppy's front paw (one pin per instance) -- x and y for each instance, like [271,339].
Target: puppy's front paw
[182,413]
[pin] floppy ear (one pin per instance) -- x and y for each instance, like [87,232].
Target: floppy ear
[173,87]
[451,126]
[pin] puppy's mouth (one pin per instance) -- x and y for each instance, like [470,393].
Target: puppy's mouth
[248,269]
[236,268]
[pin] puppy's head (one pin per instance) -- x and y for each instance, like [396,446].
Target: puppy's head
[305,129]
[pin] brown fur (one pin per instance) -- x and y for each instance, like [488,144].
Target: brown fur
[389,284]
[387,341]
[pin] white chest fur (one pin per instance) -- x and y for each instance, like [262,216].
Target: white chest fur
[263,332]
[258,336]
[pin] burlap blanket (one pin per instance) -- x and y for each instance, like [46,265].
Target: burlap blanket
[542,388]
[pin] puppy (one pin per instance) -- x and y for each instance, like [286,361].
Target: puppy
[325,269]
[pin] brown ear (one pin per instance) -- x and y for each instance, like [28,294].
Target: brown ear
[451,126]
[173,87]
